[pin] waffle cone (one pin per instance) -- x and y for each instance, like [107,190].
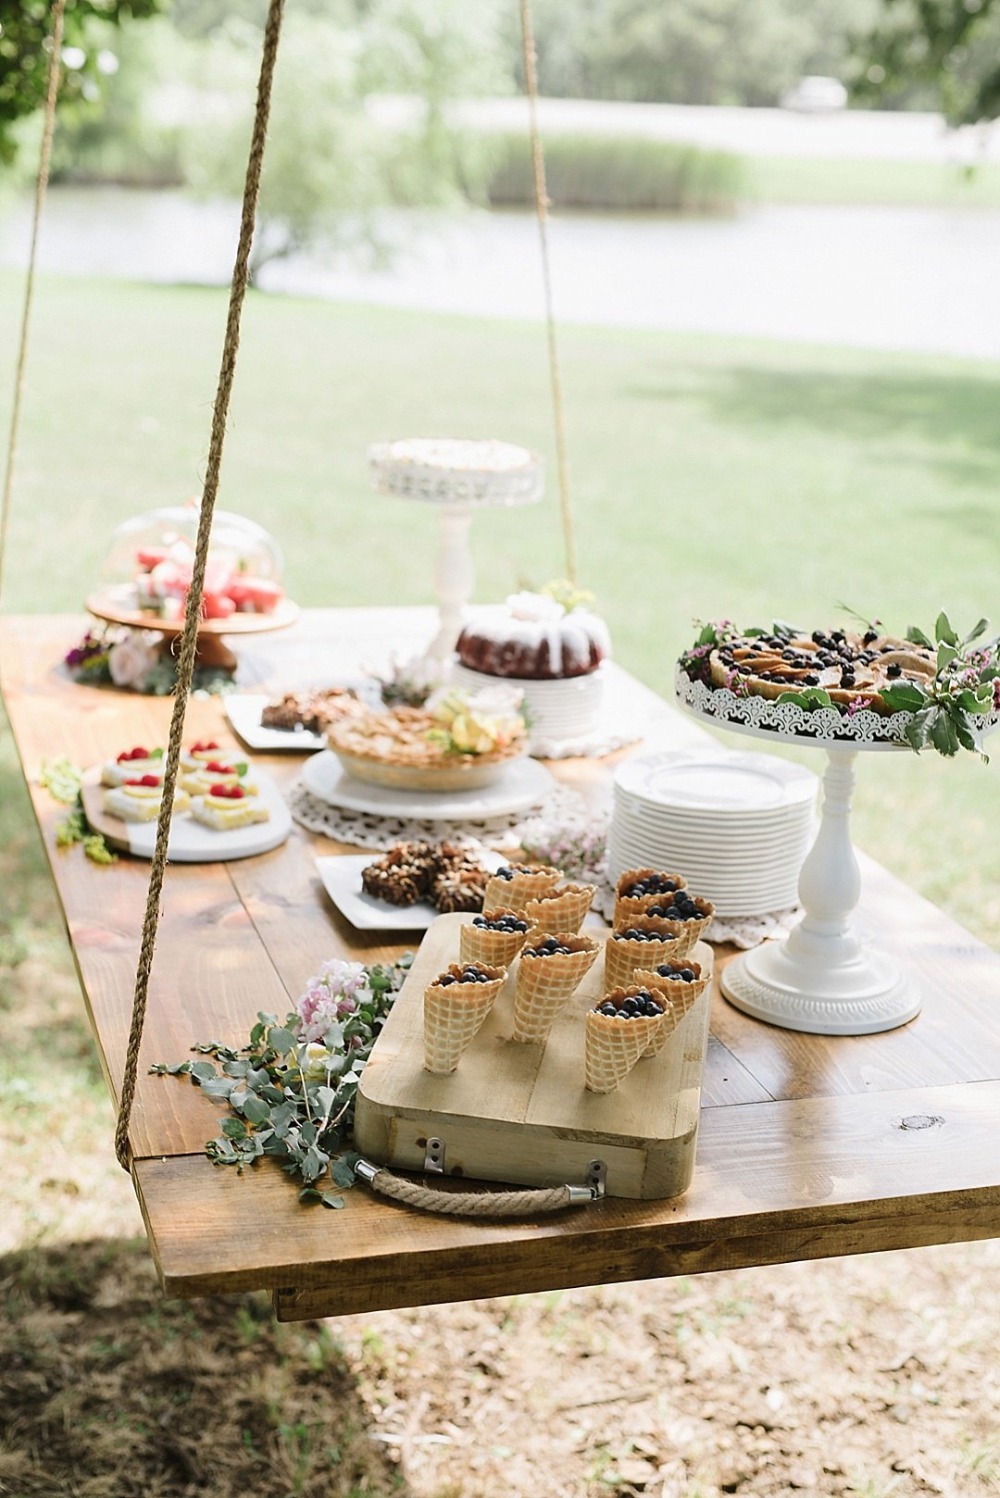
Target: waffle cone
[689,932]
[563,910]
[545,984]
[679,995]
[497,948]
[629,907]
[623,955]
[530,882]
[612,1046]
[453,1015]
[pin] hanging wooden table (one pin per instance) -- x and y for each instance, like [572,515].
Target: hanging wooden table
[808,1145]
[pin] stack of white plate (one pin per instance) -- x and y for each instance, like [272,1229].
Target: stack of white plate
[737,826]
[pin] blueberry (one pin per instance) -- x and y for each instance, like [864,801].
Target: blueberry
[894,670]
[687,974]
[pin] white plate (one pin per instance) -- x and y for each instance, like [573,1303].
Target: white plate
[733,783]
[342,881]
[524,783]
[191,841]
[243,709]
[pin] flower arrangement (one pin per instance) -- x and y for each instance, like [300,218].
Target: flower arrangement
[132,659]
[485,722]
[292,1087]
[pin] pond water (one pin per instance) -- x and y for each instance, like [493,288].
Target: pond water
[920,279]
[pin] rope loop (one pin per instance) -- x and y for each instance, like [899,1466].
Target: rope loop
[526,1203]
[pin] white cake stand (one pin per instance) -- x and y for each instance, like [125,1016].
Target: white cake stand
[460,476]
[821,978]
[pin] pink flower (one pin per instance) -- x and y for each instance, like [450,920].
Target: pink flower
[855,705]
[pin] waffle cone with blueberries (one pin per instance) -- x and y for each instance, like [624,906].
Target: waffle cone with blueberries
[565,909]
[549,970]
[620,1030]
[455,1006]
[514,884]
[645,942]
[637,889]
[681,982]
[495,936]
[687,917]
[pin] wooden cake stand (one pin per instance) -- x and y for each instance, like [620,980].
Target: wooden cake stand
[117,605]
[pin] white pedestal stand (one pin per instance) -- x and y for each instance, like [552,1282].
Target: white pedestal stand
[821,978]
[460,476]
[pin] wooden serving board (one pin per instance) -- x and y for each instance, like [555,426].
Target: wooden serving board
[520,1113]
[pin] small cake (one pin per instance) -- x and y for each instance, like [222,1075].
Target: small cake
[311,712]
[132,763]
[444,874]
[224,807]
[138,799]
[200,754]
[551,650]
[217,772]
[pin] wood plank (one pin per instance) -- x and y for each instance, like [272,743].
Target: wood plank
[772,1181]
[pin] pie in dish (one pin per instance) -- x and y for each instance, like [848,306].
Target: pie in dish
[459,741]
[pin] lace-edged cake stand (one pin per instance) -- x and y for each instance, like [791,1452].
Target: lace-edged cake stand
[460,476]
[821,978]
[117,605]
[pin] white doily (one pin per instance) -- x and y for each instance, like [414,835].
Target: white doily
[826,725]
[591,746]
[371,830]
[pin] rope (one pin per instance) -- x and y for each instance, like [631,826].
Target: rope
[471,1204]
[42,182]
[541,213]
[189,636]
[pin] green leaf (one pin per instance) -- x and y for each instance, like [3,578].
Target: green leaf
[978,701]
[904,696]
[342,1171]
[281,1040]
[963,729]
[917,730]
[943,631]
[943,734]
[234,1128]
[255,1109]
[218,1087]
[202,1071]
[330,1200]
[916,636]
[980,629]
[946,654]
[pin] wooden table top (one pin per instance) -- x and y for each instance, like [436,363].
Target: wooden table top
[808,1146]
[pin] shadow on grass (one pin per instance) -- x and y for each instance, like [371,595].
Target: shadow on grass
[105,1388]
[953,418]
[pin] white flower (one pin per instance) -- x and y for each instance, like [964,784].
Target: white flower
[318,1061]
[133,657]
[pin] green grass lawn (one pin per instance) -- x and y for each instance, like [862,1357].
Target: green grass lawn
[710,477]
[811,179]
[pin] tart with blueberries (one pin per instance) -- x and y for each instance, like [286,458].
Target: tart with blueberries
[850,667]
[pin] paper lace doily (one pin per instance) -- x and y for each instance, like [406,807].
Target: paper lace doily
[590,746]
[371,830]
[824,726]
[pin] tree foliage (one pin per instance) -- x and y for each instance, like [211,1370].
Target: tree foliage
[26,46]
[945,53]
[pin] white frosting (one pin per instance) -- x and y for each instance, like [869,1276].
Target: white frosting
[534,619]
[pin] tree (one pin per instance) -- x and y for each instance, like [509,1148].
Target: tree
[945,53]
[25,48]
[335,159]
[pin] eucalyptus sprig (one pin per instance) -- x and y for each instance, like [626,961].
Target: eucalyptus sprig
[291,1089]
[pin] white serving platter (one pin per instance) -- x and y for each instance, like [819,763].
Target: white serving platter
[524,783]
[341,878]
[191,841]
[243,710]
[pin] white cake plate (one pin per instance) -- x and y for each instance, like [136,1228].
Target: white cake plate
[822,978]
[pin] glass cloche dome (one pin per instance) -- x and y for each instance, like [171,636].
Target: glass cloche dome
[152,555]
